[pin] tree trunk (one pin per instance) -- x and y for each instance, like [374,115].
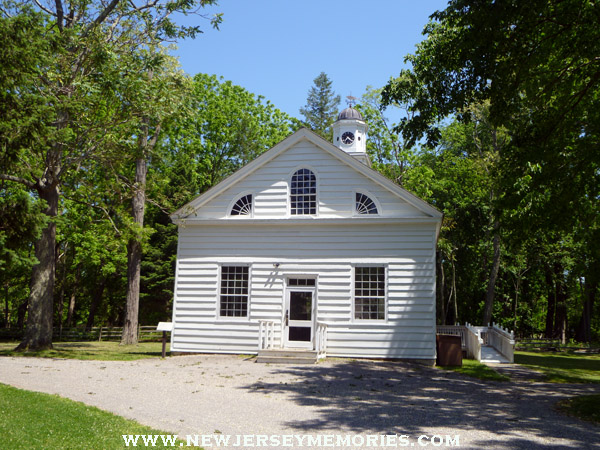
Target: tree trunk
[561,312]
[441,313]
[134,254]
[73,298]
[491,289]
[38,334]
[96,300]
[551,311]
[6,313]
[584,329]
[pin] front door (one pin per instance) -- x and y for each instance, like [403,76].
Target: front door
[298,320]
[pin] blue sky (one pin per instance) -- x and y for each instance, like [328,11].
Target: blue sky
[275,48]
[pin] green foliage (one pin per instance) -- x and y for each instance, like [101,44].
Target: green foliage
[389,154]
[321,107]
[223,128]
[37,420]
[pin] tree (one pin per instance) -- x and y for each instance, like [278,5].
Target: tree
[536,64]
[159,99]
[64,70]
[321,107]
[220,127]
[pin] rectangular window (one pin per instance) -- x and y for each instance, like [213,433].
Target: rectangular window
[234,291]
[369,293]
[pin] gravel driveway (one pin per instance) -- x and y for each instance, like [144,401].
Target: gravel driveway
[231,395]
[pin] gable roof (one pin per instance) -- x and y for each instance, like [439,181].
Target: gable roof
[318,141]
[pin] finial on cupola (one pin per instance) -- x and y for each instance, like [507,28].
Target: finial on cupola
[350,100]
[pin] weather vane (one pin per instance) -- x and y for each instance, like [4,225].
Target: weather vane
[350,100]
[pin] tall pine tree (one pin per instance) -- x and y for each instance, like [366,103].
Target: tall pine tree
[321,107]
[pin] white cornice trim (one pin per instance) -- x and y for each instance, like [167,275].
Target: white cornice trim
[312,221]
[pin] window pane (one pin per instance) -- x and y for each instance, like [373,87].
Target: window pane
[369,293]
[303,193]
[365,205]
[234,291]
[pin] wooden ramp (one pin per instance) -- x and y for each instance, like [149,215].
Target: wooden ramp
[287,356]
[489,355]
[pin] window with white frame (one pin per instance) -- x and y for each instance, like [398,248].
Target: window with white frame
[365,204]
[243,207]
[303,193]
[234,291]
[369,293]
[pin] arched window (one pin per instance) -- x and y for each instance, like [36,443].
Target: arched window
[243,207]
[303,193]
[365,205]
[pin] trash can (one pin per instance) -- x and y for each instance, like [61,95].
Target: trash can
[449,350]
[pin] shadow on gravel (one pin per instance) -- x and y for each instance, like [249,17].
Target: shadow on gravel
[401,398]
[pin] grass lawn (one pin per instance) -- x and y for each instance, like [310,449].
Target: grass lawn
[475,369]
[586,407]
[103,351]
[563,367]
[33,420]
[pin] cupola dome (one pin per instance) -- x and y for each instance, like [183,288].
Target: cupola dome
[349,114]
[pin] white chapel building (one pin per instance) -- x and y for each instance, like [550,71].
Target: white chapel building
[308,248]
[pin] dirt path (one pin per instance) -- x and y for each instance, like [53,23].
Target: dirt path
[230,395]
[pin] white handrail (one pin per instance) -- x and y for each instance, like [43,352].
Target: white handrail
[266,334]
[503,341]
[321,340]
[474,342]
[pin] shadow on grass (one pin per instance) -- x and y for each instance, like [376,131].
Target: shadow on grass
[399,398]
[566,367]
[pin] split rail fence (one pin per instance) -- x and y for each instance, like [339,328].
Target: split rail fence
[145,334]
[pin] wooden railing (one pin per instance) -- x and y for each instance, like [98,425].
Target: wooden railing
[145,333]
[266,334]
[321,340]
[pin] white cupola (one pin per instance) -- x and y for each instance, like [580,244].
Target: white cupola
[350,134]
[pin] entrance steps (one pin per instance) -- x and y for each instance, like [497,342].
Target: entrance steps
[287,356]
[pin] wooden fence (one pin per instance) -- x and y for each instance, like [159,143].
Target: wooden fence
[145,334]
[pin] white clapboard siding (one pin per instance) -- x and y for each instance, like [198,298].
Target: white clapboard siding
[336,184]
[325,252]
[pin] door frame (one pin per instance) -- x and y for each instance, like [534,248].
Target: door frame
[286,307]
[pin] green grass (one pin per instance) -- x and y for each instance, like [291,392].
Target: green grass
[475,369]
[563,367]
[103,351]
[586,407]
[42,421]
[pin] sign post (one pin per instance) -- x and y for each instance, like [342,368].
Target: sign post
[164,327]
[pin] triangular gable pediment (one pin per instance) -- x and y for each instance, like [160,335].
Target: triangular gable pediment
[289,143]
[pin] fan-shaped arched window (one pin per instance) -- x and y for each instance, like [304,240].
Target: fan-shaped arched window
[303,193]
[243,207]
[365,205]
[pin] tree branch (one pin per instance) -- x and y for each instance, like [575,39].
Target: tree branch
[102,16]
[23,181]
[60,14]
